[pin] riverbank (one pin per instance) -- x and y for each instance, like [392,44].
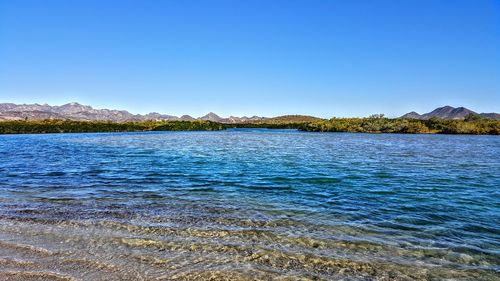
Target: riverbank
[374,124]
[380,124]
[69,126]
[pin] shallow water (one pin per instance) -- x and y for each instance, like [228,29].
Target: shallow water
[249,204]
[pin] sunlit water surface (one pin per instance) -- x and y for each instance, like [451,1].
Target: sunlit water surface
[249,204]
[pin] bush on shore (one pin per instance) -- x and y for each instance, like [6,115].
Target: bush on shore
[69,126]
[380,124]
[372,124]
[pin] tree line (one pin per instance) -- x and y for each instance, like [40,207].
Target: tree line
[372,124]
[70,126]
[380,124]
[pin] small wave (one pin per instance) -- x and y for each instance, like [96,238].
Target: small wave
[15,262]
[26,248]
[55,174]
[321,180]
[35,276]
[268,188]
[201,189]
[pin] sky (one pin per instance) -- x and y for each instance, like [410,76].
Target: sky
[254,57]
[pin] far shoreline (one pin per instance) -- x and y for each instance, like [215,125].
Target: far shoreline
[372,125]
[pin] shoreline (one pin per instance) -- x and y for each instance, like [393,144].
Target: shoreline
[340,125]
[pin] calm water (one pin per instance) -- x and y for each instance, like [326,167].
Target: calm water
[249,204]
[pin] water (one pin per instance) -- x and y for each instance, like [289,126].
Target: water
[249,204]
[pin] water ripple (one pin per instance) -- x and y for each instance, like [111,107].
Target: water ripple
[249,204]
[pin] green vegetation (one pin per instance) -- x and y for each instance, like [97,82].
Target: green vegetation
[267,125]
[67,126]
[196,125]
[372,124]
[280,122]
[380,124]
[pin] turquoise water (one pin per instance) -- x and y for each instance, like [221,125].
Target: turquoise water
[249,204]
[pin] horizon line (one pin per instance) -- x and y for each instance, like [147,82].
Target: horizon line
[225,117]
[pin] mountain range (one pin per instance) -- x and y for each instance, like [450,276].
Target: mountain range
[76,111]
[449,112]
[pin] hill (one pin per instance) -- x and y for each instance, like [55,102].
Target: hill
[449,113]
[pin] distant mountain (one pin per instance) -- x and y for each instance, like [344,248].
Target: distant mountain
[211,117]
[187,118]
[158,116]
[72,111]
[29,115]
[288,119]
[412,115]
[79,112]
[449,112]
[76,111]
[232,119]
[492,115]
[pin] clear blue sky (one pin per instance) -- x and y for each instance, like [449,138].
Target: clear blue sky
[254,57]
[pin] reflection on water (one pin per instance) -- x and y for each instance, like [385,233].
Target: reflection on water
[249,204]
